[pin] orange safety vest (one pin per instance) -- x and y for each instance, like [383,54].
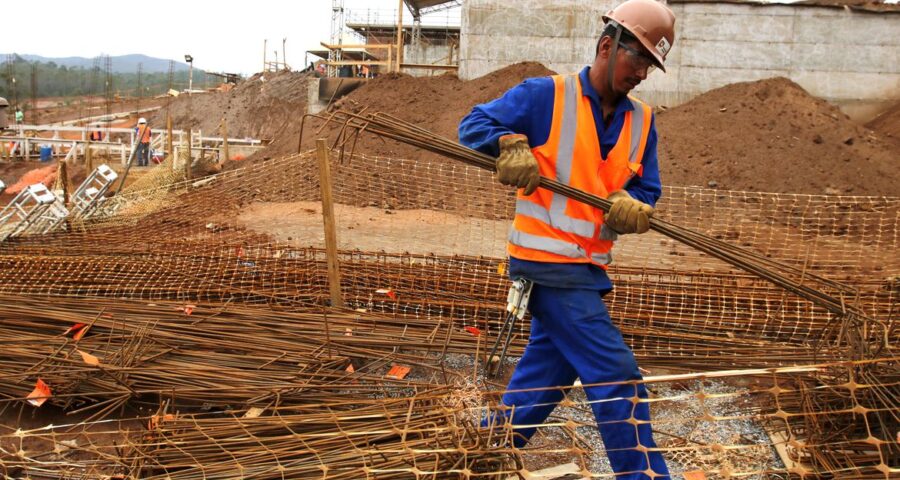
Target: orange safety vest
[551,228]
[144,134]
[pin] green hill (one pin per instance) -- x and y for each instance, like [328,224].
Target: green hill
[56,80]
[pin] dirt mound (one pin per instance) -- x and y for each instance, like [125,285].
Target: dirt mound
[259,107]
[888,123]
[434,103]
[771,135]
[45,175]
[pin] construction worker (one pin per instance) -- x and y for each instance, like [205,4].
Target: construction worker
[143,133]
[20,116]
[582,130]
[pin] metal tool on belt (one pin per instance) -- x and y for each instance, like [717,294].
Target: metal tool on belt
[516,305]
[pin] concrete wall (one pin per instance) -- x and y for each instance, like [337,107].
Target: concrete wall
[436,54]
[434,49]
[849,58]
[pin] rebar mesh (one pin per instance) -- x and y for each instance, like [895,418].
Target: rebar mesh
[729,424]
[440,229]
[422,254]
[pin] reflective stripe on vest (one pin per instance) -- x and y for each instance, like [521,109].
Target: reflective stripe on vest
[556,246]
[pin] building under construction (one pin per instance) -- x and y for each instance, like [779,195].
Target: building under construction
[328,295]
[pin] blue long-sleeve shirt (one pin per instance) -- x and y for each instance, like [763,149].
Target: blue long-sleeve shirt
[528,109]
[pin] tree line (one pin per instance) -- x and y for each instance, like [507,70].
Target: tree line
[54,80]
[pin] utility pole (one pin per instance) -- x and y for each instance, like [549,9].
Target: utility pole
[140,88]
[190,60]
[109,95]
[399,35]
[11,79]
[34,110]
[265,65]
[283,54]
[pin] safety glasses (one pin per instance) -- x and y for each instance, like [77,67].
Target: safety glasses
[638,59]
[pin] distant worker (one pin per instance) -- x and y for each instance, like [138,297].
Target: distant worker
[96,135]
[142,132]
[20,116]
[585,131]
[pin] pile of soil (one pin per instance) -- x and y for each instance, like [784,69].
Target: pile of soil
[44,174]
[259,107]
[20,174]
[887,124]
[772,136]
[435,103]
[768,135]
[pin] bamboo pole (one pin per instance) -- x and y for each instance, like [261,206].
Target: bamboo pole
[62,180]
[225,155]
[187,156]
[88,156]
[334,270]
[169,149]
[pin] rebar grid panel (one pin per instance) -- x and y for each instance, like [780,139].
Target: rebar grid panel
[692,320]
[841,237]
[728,424]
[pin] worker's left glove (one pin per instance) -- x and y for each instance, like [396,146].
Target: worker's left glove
[628,215]
[516,165]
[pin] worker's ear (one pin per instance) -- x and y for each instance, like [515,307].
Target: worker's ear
[604,45]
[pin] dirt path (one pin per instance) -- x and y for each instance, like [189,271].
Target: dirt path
[376,229]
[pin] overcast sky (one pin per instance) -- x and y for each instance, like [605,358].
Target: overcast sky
[221,36]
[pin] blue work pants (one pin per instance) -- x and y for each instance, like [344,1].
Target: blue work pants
[572,336]
[143,154]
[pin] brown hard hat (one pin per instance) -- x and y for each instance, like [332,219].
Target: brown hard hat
[651,22]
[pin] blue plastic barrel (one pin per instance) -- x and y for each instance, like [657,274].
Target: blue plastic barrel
[46,153]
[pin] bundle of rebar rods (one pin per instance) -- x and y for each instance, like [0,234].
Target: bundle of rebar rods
[104,353]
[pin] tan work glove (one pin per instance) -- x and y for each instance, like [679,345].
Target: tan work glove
[516,165]
[628,215]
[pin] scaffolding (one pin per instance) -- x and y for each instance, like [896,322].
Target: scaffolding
[337,28]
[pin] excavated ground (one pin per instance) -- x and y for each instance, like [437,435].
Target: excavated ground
[259,107]
[772,136]
[768,135]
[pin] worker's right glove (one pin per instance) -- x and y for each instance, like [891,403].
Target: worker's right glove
[516,165]
[628,215]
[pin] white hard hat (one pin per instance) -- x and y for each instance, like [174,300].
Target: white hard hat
[142,120]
